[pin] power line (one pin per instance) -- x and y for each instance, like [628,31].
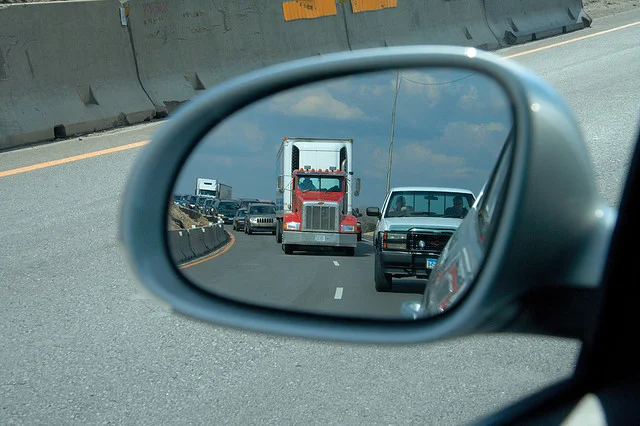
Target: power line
[437,84]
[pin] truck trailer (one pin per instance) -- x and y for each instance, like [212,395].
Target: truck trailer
[212,188]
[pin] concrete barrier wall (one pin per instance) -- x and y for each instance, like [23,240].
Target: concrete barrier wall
[189,244]
[188,46]
[520,21]
[66,68]
[453,22]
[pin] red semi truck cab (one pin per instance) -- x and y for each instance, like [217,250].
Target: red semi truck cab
[319,214]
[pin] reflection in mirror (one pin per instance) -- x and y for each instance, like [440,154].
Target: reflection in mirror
[339,197]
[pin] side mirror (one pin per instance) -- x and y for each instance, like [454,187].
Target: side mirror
[529,150]
[373,211]
[357,190]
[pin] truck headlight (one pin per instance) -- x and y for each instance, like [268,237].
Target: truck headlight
[394,241]
[347,228]
[292,226]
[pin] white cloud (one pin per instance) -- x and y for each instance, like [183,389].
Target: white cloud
[374,164]
[476,136]
[318,103]
[421,85]
[470,98]
[420,155]
[235,132]
[496,100]
[468,172]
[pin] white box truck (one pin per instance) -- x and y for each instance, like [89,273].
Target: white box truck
[212,188]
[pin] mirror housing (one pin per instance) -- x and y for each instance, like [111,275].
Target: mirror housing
[552,214]
[280,183]
[357,190]
[373,211]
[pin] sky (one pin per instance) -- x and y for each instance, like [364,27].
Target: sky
[450,125]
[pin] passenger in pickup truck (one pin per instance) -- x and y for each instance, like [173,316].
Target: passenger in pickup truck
[456,210]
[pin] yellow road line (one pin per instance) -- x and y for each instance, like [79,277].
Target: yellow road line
[72,159]
[197,262]
[573,40]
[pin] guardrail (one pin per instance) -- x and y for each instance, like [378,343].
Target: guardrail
[68,68]
[190,244]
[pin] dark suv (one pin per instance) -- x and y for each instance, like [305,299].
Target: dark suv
[261,217]
[226,210]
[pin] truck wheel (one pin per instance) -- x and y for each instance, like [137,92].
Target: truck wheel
[287,249]
[382,280]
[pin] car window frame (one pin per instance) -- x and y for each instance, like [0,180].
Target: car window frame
[486,229]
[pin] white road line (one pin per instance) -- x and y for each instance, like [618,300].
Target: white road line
[338,293]
[335,262]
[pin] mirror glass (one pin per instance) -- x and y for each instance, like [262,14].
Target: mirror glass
[339,197]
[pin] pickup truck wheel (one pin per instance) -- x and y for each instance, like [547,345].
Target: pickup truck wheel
[382,280]
[287,249]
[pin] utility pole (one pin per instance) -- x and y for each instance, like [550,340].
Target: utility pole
[393,128]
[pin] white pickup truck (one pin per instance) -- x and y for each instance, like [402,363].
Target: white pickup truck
[413,227]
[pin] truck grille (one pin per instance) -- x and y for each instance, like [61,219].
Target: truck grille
[265,220]
[432,242]
[320,218]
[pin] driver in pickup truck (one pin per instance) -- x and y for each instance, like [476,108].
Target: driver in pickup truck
[456,210]
[400,205]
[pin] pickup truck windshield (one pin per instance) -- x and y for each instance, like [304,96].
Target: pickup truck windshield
[422,203]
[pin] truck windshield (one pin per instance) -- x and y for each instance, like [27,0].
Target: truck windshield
[320,183]
[428,203]
[207,192]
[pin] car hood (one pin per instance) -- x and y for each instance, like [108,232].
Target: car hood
[406,223]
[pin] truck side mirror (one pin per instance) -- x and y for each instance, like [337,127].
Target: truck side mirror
[357,191]
[373,211]
[281,183]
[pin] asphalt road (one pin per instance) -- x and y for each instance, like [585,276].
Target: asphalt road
[323,281]
[83,344]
